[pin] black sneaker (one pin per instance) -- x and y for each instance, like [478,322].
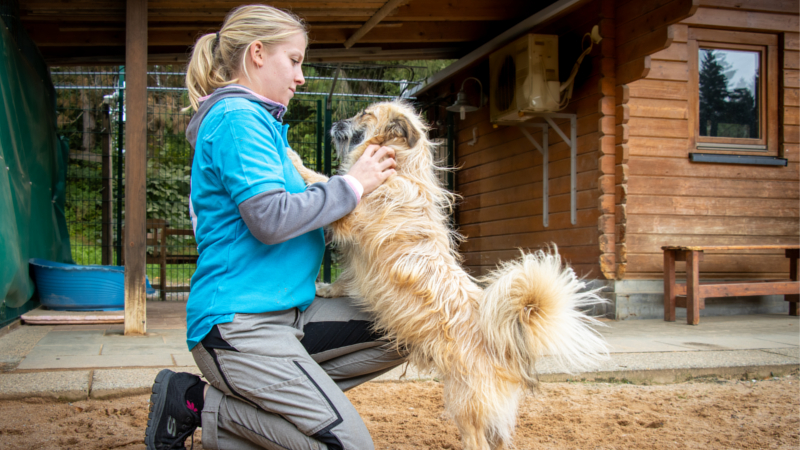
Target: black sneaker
[172,419]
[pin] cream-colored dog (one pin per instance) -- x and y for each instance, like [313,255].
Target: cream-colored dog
[399,258]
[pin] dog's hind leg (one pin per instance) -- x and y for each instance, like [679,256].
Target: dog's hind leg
[467,409]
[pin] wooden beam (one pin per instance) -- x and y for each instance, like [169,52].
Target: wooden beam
[746,21]
[47,36]
[184,11]
[135,166]
[390,6]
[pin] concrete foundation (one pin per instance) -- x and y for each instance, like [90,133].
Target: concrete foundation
[644,299]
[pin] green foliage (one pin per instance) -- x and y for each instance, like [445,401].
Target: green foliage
[168,193]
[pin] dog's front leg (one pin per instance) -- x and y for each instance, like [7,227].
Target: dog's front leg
[309,176]
[331,290]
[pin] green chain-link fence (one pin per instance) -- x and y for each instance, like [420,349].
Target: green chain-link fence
[91,116]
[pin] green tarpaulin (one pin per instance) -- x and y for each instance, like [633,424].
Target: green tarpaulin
[33,164]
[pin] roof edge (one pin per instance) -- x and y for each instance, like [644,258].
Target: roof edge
[499,41]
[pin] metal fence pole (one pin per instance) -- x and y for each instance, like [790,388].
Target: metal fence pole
[320,133]
[328,259]
[120,143]
[107,186]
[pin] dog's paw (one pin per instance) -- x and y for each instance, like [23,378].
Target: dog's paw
[328,290]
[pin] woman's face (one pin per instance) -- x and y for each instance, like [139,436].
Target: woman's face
[278,69]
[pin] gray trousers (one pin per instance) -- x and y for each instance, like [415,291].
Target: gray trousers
[278,379]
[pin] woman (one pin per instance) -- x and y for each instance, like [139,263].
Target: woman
[276,359]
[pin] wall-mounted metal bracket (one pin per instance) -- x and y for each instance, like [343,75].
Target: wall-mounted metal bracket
[571,141]
[544,150]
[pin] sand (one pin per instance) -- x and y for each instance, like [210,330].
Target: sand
[701,414]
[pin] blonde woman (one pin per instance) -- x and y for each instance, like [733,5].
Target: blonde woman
[276,359]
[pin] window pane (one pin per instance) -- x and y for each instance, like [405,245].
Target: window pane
[729,100]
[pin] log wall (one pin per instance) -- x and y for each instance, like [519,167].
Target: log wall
[500,175]
[636,188]
[664,199]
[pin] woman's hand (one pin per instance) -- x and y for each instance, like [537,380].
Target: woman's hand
[373,167]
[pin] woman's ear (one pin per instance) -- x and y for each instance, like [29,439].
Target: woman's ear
[256,51]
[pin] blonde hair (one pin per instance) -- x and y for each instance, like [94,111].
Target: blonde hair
[217,57]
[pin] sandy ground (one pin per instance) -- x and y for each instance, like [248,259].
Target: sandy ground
[703,414]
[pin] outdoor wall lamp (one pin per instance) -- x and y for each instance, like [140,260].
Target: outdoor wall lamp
[462,105]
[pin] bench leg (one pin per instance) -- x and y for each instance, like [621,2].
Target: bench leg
[693,287]
[794,271]
[669,285]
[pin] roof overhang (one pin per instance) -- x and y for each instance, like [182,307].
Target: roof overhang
[93,31]
[547,14]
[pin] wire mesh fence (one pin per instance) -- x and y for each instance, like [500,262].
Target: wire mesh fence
[88,118]
[91,115]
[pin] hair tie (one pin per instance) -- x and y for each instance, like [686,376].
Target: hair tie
[216,43]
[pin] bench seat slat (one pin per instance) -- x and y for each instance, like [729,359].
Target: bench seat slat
[731,247]
[743,288]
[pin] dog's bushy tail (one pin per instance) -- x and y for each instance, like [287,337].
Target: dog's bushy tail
[532,307]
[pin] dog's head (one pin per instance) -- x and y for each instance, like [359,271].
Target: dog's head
[394,124]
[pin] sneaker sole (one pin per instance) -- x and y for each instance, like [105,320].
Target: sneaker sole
[158,398]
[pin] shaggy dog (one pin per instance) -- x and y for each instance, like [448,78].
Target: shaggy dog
[400,260]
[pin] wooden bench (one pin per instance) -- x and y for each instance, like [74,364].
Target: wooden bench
[693,293]
[158,231]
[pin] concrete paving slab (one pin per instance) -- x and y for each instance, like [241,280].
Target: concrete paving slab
[65,385]
[628,345]
[134,349]
[723,342]
[57,337]
[184,359]
[110,383]
[790,352]
[50,362]
[66,350]
[680,360]
[792,339]
[22,340]
[405,373]
[122,382]
[9,363]
[147,339]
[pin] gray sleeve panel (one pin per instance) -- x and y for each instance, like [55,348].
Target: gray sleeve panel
[276,216]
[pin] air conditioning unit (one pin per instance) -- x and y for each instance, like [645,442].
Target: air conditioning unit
[524,78]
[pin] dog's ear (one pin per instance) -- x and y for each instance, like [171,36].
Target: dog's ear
[400,126]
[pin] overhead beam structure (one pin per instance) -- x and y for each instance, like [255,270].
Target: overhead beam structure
[373,21]
[93,31]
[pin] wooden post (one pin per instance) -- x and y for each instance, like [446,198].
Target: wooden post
[794,275]
[135,166]
[107,241]
[693,287]
[669,285]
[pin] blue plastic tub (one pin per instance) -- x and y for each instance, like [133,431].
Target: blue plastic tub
[70,287]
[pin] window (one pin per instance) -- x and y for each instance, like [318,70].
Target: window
[733,92]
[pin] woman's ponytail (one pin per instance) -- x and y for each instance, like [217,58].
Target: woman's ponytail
[218,57]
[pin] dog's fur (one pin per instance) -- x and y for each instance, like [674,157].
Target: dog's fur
[400,259]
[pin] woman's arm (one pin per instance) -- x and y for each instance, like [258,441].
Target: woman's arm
[276,216]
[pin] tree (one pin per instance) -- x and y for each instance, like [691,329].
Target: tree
[713,93]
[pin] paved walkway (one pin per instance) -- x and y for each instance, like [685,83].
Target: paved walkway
[73,362]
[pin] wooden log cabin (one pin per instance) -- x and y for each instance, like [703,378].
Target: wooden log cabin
[660,161]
